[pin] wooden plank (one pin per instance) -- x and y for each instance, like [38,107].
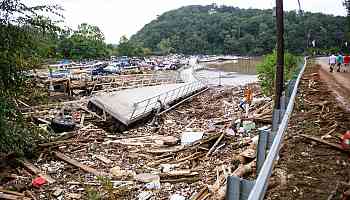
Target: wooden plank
[11,192]
[29,166]
[335,146]
[78,164]
[13,197]
[103,159]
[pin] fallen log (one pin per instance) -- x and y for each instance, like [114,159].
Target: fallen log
[78,164]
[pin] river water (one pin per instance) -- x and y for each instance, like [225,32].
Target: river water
[230,73]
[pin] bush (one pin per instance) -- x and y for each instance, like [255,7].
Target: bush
[15,135]
[267,69]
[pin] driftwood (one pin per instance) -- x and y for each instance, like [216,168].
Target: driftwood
[78,164]
[33,169]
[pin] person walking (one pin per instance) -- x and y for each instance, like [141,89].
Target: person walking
[340,61]
[346,63]
[332,61]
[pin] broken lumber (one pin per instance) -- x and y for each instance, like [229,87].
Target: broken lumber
[220,191]
[11,192]
[187,180]
[335,146]
[179,173]
[201,193]
[216,144]
[103,159]
[78,164]
[13,197]
[33,169]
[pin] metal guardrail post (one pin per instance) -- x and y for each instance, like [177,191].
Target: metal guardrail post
[262,148]
[282,107]
[237,188]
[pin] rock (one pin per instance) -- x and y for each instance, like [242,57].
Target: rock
[146,177]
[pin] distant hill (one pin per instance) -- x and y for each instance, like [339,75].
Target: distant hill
[230,30]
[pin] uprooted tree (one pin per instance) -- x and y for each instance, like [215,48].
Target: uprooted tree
[20,29]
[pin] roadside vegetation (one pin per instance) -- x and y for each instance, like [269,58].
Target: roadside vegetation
[267,69]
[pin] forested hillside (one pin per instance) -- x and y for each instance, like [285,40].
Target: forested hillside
[229,30]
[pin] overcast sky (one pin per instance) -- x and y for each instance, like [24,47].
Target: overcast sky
[125,17]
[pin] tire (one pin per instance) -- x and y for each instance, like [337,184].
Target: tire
[60,125]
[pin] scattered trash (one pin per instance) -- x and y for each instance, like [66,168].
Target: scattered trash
[154,185]
[38,182]
[248,125]
[144,195]
[345,143]
[177,197]
[190,136]
[146,177]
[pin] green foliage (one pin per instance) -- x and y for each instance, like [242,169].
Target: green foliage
[230,30]
[129,48]
[266,71]
[21,29]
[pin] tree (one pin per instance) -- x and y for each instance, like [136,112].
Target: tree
[19,28]
[165,46]
[192,30]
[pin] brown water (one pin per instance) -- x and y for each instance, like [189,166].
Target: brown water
[242,66]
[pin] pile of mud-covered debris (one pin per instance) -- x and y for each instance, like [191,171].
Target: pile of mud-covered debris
[186,153]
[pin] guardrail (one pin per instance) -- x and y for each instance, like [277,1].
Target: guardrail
[269,141]
[115,83]
[147,105]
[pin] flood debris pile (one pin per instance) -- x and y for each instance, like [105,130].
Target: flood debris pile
[186,153]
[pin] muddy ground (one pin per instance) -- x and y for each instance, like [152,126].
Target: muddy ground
[307,169]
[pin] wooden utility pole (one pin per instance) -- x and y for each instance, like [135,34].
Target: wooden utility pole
[279,84]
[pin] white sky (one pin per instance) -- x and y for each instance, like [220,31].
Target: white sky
[125,17]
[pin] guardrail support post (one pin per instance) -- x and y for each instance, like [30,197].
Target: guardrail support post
[262,149]
[283,108]
[237,188]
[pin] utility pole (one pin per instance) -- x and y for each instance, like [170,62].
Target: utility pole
[279,84]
